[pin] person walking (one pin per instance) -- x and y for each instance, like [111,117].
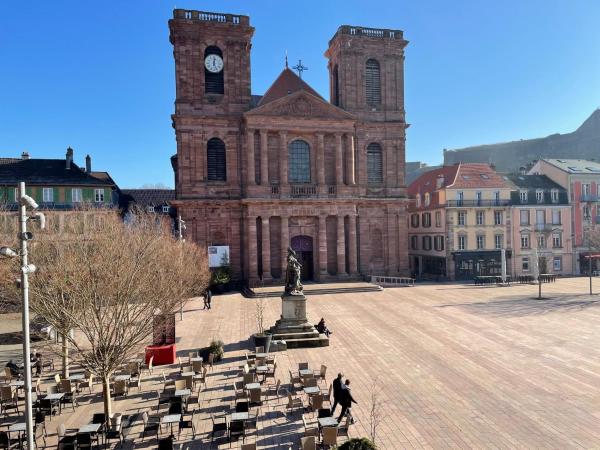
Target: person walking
[337,388]
[208,298]
[346,400]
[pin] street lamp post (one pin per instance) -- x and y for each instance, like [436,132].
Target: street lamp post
[26,269]
[180,228]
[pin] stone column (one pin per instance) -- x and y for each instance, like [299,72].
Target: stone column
[266,248]
[250,160]
[352,256]
[252,248]
[351,169]
[285,243]
[341,253]
[283,159]
[264,157]
[322,246]
[321,159]
[339,174]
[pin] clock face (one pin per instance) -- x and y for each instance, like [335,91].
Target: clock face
[213,63]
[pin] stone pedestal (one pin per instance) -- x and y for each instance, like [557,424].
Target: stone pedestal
[293,327]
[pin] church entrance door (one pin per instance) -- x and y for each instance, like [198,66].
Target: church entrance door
[303,246]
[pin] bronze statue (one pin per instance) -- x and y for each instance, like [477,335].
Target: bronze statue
[292,274]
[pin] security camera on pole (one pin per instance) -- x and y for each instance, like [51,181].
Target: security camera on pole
[26,201]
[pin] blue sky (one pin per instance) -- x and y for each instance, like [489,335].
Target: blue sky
[99,76]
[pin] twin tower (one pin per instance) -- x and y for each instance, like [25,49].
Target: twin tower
[256,174]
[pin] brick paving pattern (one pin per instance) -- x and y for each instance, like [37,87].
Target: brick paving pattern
[458,366]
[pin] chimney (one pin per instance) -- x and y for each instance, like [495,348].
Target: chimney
[88,163]
[522,170]
[25,155]
[69,158]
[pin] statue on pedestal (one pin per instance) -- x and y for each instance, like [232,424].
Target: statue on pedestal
[293,286]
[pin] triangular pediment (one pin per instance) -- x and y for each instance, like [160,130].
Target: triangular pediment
[301,104]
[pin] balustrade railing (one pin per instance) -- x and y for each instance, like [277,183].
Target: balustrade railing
[303,190]
[206,16]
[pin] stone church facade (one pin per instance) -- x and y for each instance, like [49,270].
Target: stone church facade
[263,173]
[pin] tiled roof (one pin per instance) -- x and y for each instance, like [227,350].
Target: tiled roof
[478,176]
[47,172]
[286,83]
[575,166]
[427,181]
[147,197]
[534,182]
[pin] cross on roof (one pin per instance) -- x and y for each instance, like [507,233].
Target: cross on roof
[300,68]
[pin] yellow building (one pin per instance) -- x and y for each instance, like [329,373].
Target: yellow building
[458,223]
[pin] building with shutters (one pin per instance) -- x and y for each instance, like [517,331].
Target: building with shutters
[261,173]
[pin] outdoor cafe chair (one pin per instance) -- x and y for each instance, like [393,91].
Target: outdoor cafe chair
[242,406]
[321,374]
[197,366]
[6,442]
[219,425]
[136,382]
[271,372]
[323,412]
[255,397]
[310,382]
[84,440]
[150,426]
[236,429]
[179,384]
[187,423]
[293,402]
[211,360]
[274,389]
[239,391]
[8,397]
[260,349]
[192,355]
[120,388]
[310,426]
[294,379]
[8,376]
[249,378]
[201,378]
[308,443]
[329,436]
[165,443]
[57,378]
[65,441]
[302,366]
[315,401]
[147,367]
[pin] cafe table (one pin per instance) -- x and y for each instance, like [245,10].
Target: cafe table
[19,428]
[182,393]
[197,359]
[312,390]
[170,419]
[56,398]
[261,355]
[305,372]
[328,422]
[251,386]
[123,377]
[238,416]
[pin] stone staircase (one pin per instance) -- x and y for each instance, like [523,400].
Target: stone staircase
[313,289]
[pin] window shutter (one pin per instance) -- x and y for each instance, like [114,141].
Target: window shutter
[374,164]
[373,83]
[216,160]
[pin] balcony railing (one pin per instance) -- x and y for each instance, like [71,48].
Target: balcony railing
[206,16]
[542,227]
[481,203]
[589,198]
[303,190]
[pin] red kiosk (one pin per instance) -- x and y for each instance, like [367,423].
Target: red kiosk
[163,346]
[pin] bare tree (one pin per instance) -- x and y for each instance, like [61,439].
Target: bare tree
[108,283]
[259,315]
[376,410]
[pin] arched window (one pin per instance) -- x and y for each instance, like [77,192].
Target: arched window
[373,83]
[335,86]
[213,79]
[374,164]
[215,160]
[299,162]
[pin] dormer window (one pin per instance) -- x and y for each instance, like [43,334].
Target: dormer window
[427,199]
[523,196]
[554,195]
[418,200]
[539,196]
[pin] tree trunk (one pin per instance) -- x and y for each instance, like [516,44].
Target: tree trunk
[106,397]
[65,356]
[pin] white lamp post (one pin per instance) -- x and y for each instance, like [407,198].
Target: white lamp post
[26,268]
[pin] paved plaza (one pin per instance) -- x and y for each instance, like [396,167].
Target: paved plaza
[457,366]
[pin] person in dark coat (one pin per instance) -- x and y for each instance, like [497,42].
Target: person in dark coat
[208,298]
[346,400]
[337,388]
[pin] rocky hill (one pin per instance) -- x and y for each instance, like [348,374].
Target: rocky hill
[583,143]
